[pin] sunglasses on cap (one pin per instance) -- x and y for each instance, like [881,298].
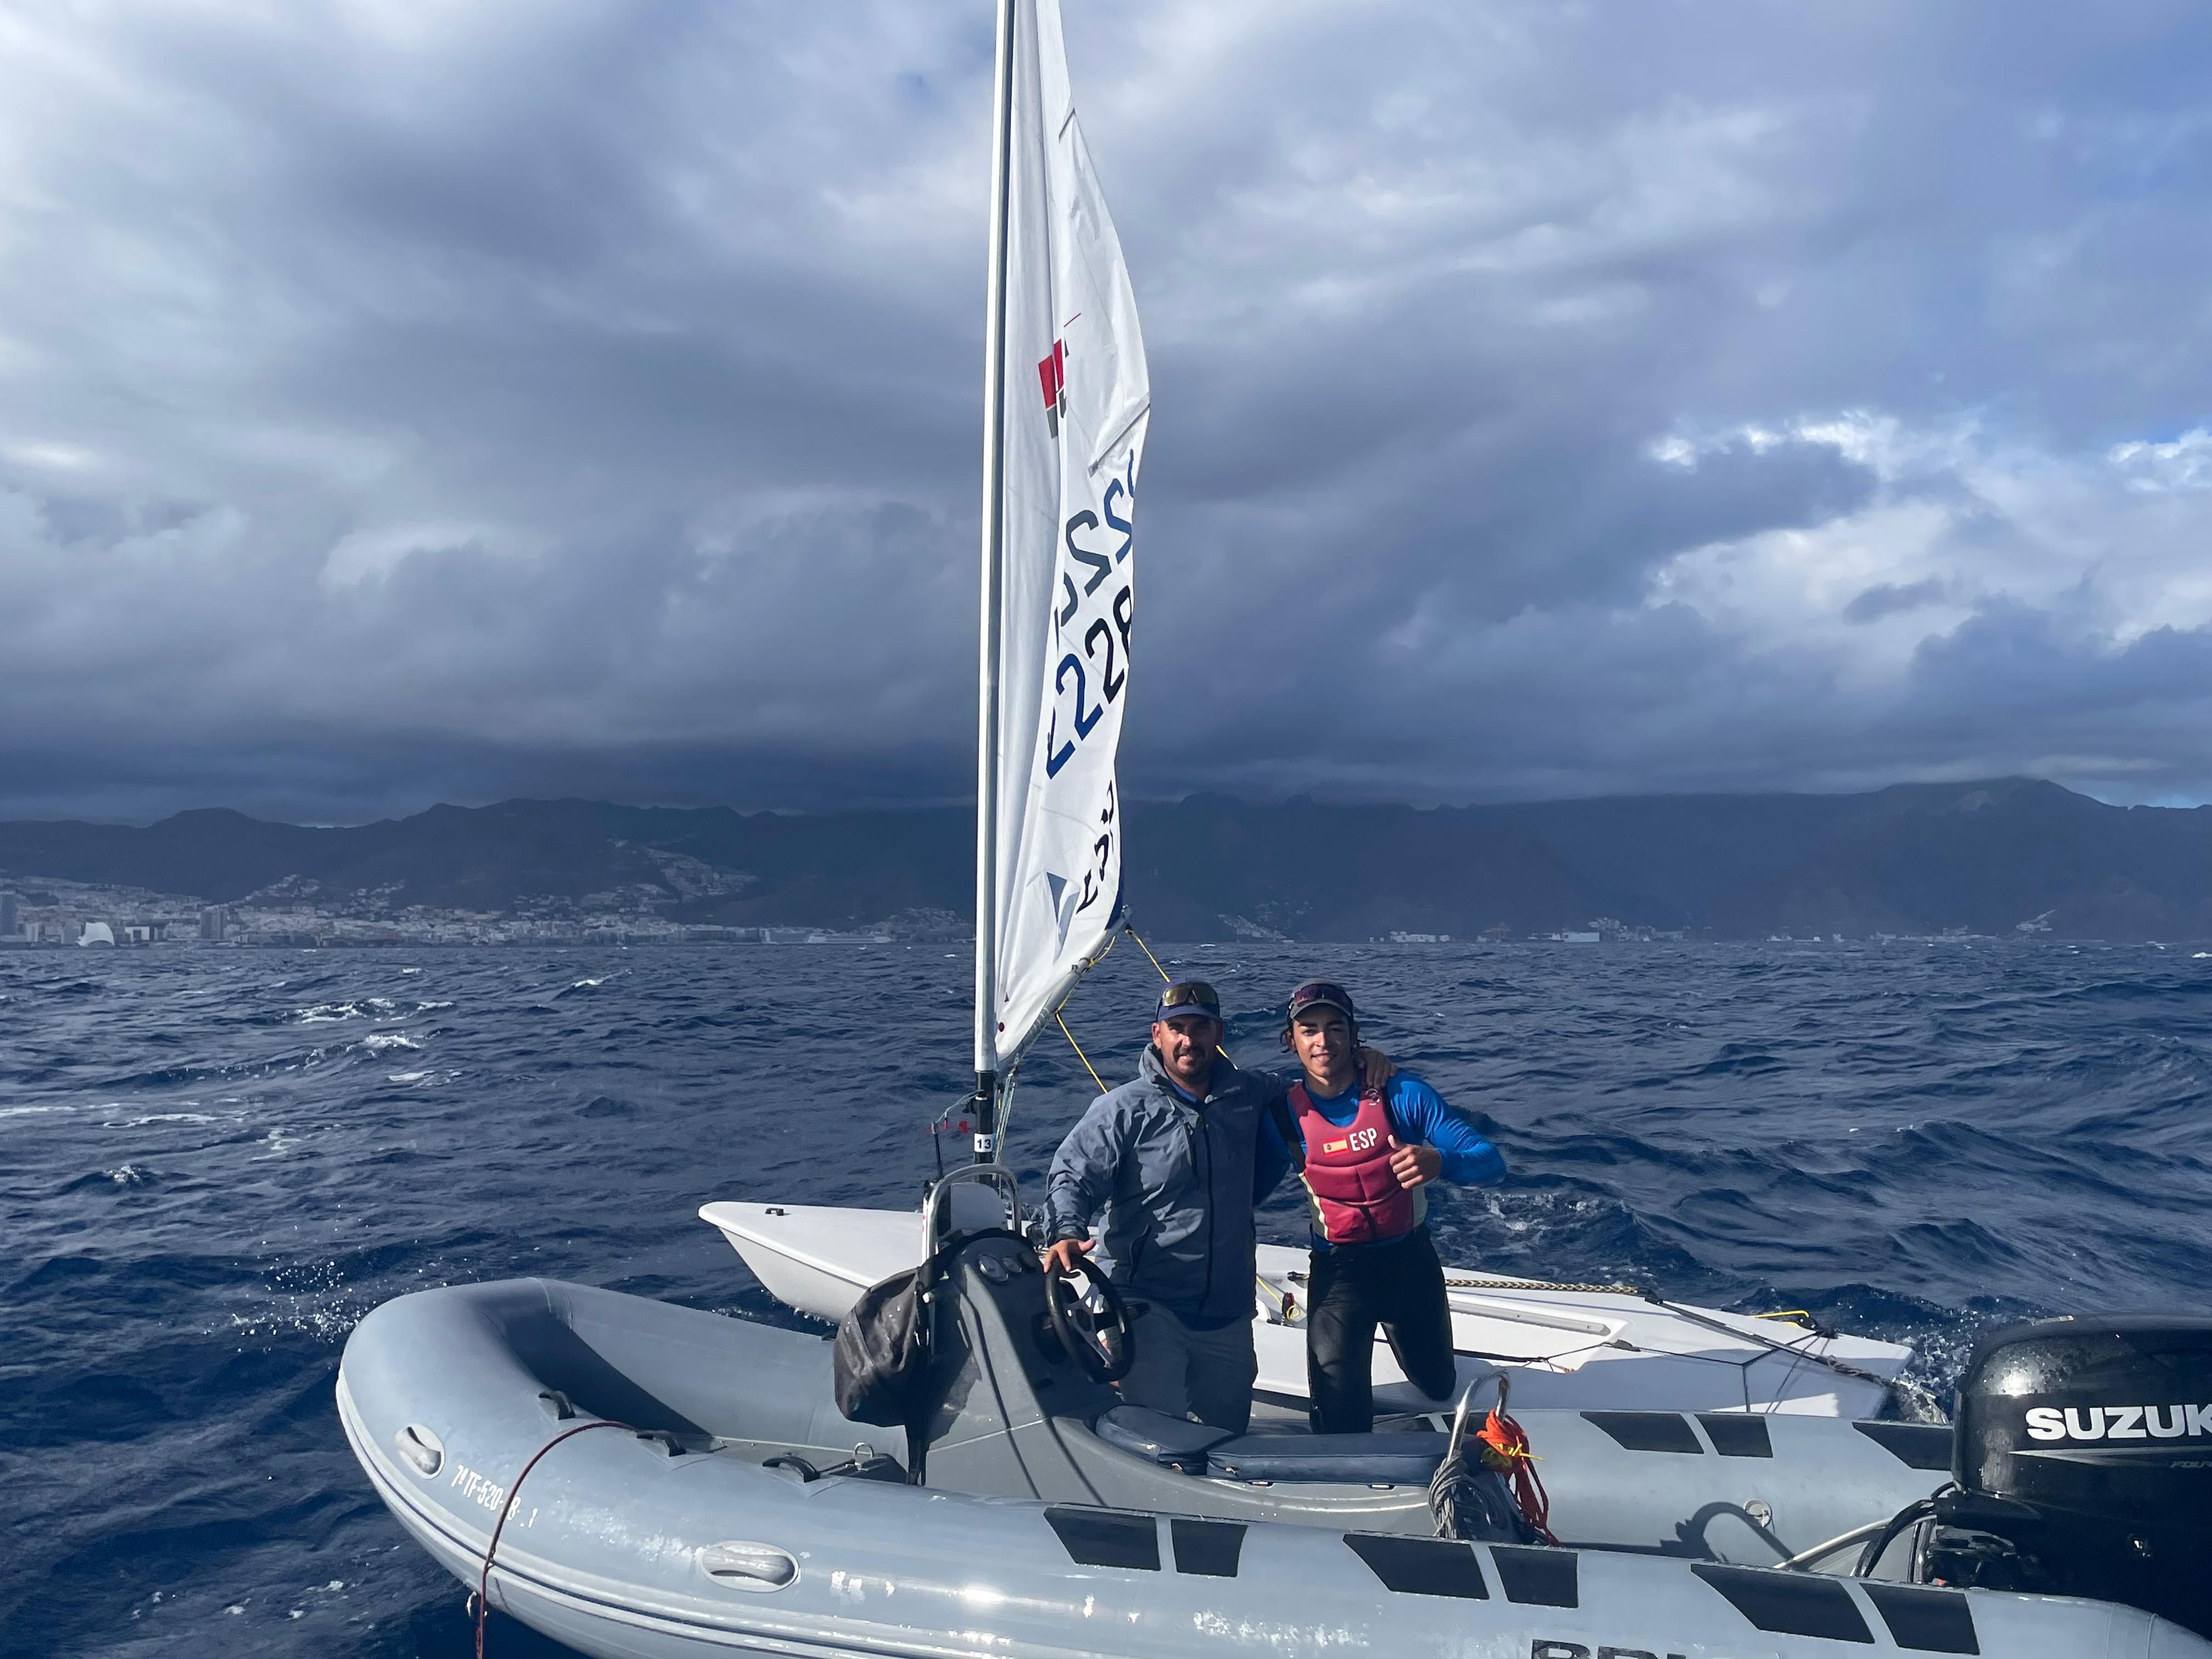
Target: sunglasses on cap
[1190,993]
[1322,993]
[1188,999]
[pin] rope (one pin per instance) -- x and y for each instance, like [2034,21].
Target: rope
[483,1581]
[1840,1367]
[1145,948]
[1080,1055]
[1006,1074]
[1897,1386]
[1637,1290]
[1506,1452]
[1163,973]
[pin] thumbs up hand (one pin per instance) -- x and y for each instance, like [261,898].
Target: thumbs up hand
[1416,1165]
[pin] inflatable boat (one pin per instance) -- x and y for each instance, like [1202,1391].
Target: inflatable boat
[636,1478]
[1565,1346]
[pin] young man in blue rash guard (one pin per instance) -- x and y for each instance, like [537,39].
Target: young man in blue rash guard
[1365,1152]
[1171,1160]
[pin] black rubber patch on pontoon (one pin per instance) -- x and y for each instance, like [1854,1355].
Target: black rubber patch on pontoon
[1421,1566]
[1657,1432]
[1108,1538]
[1208,1548]
[1538,1578]
[1916,1445]
[1737,1437]
[1788,1603]
[1932,1620]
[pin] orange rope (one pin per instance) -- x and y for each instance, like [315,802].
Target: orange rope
[1505,1450]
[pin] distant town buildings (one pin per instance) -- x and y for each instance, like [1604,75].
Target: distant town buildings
[297,913]
[39,910]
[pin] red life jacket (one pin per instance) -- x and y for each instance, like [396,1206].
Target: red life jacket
[1357,1199]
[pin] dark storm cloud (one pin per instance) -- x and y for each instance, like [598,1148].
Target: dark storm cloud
[407,403]
[1889,599]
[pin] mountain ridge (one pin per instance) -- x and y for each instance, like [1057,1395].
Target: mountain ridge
[1983,856]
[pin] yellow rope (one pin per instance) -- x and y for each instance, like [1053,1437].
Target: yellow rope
[1155,961]
[1145,948]
[1078,1047]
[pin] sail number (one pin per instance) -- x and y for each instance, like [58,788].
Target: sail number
[1073,673]
[1104,650]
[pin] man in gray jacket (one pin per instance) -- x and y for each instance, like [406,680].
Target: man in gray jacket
[1172,1160]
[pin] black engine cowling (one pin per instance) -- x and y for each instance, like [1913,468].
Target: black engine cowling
[2083,1459]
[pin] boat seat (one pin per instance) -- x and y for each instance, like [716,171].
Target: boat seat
[1392,1460]
[1175,1441]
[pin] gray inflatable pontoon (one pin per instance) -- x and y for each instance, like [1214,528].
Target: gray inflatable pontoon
[1054,1521]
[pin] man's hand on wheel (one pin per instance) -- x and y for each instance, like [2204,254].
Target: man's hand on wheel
[1065,1253]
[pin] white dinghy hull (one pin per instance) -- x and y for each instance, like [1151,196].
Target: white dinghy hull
[1566,1349]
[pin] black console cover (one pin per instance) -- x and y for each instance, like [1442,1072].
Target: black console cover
[1395,1459]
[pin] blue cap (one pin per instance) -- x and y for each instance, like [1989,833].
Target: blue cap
[1184,997]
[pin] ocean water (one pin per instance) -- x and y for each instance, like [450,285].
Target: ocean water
[217,1161]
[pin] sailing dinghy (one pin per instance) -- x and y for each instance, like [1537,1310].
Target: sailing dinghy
[1068,398]
[1564,1346]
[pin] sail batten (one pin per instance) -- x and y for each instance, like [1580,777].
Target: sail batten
[1066,413]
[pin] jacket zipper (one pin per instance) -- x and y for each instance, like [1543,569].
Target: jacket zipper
[1206,1296]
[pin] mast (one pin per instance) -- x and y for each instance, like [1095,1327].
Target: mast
[986,1105]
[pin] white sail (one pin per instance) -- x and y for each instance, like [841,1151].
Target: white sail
[1073,400]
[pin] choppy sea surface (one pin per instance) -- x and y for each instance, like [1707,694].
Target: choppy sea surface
[215,1160]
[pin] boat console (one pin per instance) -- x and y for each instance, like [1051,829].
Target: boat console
[1022,1412]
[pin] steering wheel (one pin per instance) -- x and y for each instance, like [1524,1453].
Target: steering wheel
[1102,1343]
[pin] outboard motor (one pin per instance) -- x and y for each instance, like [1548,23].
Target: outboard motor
[2083,1463]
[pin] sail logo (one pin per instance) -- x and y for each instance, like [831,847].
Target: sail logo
[2119,1422]
[1064,905]
[1052,374]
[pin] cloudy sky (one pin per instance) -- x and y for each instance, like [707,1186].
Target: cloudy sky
[414,402]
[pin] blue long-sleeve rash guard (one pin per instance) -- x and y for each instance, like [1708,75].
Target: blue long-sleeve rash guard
[1417,1113]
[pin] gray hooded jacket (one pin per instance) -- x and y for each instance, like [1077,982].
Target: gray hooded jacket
[1175,1181]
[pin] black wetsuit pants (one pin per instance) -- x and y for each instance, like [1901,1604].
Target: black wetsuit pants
[1398,1286]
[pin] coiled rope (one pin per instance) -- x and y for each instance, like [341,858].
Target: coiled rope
[1504,1451]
